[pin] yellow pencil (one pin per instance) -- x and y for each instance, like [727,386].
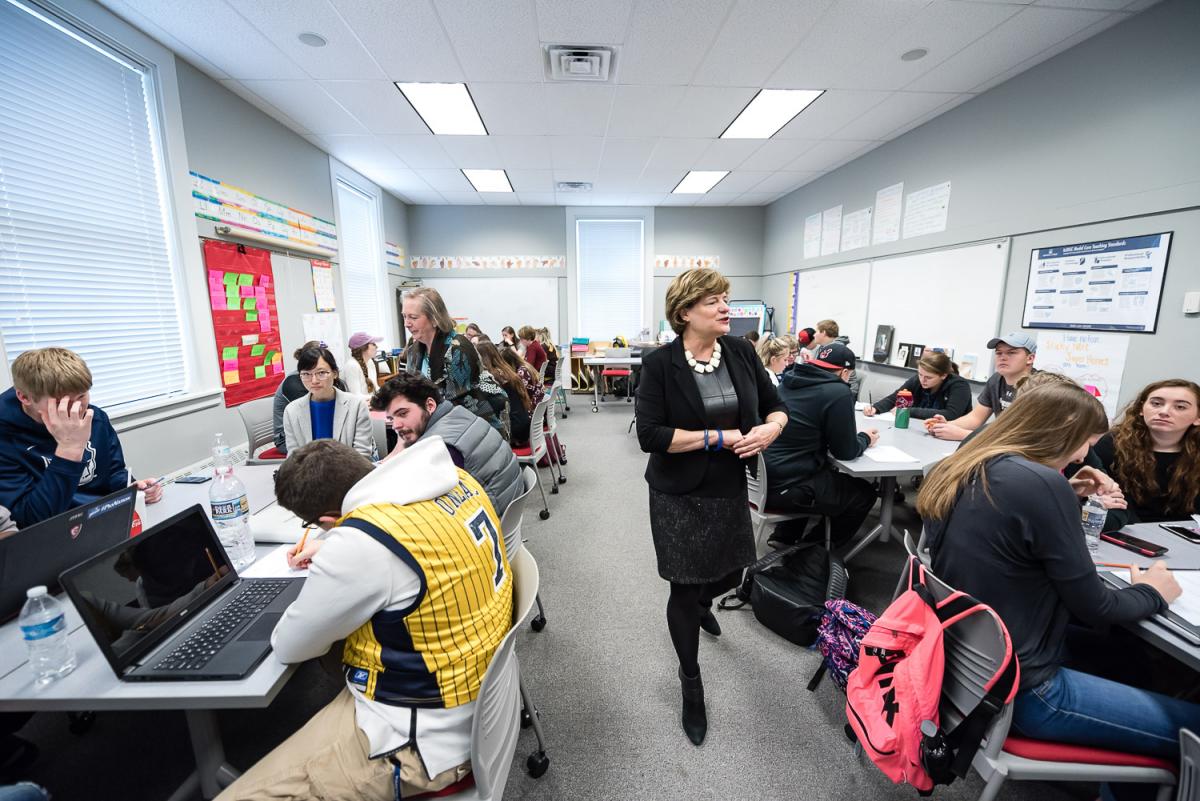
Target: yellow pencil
[303,537]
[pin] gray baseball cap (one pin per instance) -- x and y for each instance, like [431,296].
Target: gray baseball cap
[1014,339]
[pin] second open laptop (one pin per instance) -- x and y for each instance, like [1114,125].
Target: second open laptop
[169,606]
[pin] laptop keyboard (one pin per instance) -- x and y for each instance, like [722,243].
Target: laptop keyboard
[205,642]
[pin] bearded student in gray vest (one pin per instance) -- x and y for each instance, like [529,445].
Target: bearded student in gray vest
[416,409]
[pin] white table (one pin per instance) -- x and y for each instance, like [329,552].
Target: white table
[93,685]
[598,363]
[926,451]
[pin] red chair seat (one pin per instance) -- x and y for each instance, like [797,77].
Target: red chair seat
[465,783]
[271,453]
[616,372]
[1062,752]
[522,450]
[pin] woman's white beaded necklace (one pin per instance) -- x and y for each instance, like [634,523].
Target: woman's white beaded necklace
[700,367]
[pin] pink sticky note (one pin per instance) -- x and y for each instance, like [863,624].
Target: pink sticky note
[260,293]
[264,325]
[215,277]
[264,280]
[246,291]
[229,364]
[218,300]
[276,368]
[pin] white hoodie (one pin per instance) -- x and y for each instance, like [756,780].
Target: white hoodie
[351,578]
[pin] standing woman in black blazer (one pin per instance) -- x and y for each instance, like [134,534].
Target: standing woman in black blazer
[701,402]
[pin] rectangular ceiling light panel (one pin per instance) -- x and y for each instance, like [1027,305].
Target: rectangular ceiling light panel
[488,180]
[447,108]
[770,110]
[697,182]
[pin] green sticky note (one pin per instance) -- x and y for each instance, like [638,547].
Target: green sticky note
[249,304]
[229,353]
[257,350]
[230,279]
[245,279]
[232,303]
[252,317]
[260,372]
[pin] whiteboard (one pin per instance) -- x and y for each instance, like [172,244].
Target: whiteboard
[836,293]
[493,303]
[947,298]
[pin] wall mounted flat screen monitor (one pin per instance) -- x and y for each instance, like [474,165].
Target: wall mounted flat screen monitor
[746,316]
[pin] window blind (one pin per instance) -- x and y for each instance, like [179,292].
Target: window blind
[362,265]
[611,264]
[84,259]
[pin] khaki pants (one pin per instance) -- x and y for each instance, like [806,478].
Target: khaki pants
[328,759]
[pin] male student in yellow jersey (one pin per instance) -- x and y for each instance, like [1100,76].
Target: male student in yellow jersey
[1015,353]
[412,574]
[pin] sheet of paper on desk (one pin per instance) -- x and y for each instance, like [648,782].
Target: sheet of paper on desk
[886,417]
[273,565]
[276,524]
[1187,605]
[888,453]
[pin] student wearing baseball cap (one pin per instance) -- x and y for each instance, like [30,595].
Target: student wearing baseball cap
[362,378]
[1014,355]
[820,425]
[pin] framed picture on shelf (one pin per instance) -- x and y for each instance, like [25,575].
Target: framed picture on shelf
[883,342]
[902,354]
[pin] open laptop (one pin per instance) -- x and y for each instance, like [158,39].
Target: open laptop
[169,606]
[36,555]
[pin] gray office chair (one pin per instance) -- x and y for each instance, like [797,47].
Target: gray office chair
[1189,766]
[510,525]
[260,430]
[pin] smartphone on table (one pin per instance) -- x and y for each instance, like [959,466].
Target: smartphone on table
[1192,535]
[1132,543]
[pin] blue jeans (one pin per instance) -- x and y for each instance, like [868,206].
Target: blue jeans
[23,792]
[1078,708]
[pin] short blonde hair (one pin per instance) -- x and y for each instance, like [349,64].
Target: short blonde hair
[433,307]
[527,333]
[770,348]
[829,328]
[51,373]
[689,288]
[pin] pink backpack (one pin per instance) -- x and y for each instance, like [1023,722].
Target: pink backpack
[896,689]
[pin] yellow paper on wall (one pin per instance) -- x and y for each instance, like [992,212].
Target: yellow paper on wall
[231,377]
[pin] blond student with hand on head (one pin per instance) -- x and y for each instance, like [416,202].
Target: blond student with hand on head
[1015,353]
[56,450]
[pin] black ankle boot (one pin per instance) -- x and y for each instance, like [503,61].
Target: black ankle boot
[708,621]
[695,717]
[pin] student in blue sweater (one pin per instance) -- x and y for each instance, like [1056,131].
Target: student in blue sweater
[57,451]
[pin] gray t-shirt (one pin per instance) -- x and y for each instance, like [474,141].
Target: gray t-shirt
[997,394]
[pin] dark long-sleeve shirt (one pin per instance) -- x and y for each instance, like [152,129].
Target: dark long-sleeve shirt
[820,423]
[1152,509]
[951,400]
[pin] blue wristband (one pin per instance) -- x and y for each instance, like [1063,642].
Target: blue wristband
[720,439]
[706,439]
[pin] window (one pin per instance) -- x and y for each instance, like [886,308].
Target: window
[85,253]
[611,277]
[362,264]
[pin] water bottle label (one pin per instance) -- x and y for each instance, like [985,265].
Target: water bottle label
[231,509]
[40,631]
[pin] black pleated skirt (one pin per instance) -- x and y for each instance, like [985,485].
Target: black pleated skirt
[700,539]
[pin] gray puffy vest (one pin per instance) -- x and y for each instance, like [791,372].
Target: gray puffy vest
[486,456]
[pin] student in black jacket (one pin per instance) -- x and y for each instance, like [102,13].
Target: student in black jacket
[936,389]
[820,424]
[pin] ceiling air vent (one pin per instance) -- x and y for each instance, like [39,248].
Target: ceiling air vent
[573,186]
[578,63]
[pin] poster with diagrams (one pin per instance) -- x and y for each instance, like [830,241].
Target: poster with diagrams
[1107,285]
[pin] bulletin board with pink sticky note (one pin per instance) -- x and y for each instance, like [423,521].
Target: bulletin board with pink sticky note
[241,290]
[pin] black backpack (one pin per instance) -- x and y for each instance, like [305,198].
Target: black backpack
[788,590]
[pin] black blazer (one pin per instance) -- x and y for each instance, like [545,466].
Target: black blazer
[668,398]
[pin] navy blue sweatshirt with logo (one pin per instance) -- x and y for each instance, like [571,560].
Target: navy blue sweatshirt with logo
[35,484]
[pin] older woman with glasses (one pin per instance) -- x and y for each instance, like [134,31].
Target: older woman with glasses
[326,412]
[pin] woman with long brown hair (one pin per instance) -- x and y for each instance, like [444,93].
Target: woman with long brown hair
[1154,451]
[1004,526]
[936,389]
[519,402]
[527,374]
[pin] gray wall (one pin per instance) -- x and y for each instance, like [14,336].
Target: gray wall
[1089,141]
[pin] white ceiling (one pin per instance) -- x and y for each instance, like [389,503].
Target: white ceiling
[684,69]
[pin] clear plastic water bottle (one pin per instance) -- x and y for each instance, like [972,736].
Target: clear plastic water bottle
[43,624]
[1094,515]
[230,509]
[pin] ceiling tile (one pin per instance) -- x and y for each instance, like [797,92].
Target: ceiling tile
[495,40]
[583,21]
[463,198]
[629,155]
[576,109]
[511,108]
[471,151]
[308,104]
[896,111]
[617,180]
[829,113]
[536,198]
[426,198]
[446,181]
[408,46]
[377,105]
[419,152]
[754,199]
[125,10]
[739,181]
[401,181]
[667,41]
[222,36]
[607,199]
[282,21]
[706,111]
[569,174]
[756,38]
[679,200]
[676,154]
[827,153]
[643,110]
[572,198]
[500,198]
[579,154]
[727,154]
[523,152]
[784,181]
[367,154]
[1020,38]
[658,181]
[256,101]
[643,199]
[1050,52]
[845,34]
[712,199]
[775,154]
[531,181]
